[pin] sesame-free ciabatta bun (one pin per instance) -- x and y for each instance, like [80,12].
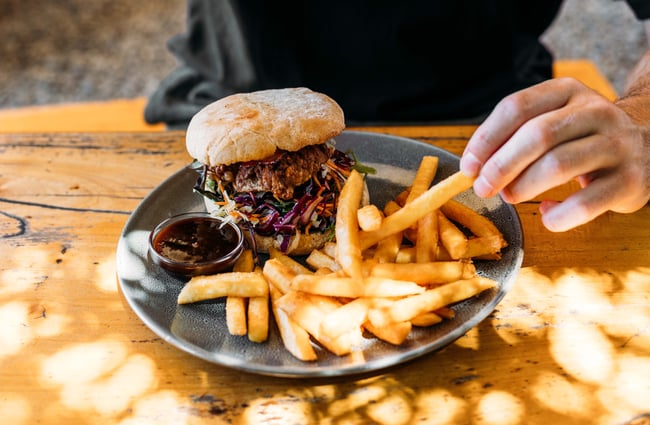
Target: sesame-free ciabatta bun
[252,126]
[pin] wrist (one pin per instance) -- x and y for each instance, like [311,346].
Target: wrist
[637,107]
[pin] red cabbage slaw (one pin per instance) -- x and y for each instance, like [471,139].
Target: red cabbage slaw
[312,209]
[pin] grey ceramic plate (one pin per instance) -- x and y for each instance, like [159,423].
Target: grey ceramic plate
[200,329]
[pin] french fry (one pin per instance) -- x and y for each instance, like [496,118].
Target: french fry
[435,272]
[348,252]
[309,310]
[405,255]
[330,249]
[279,274]
[345,343]
[295,338]
[425,232]
[239,284]
[391,207]
[430,200]
[426,240]
[478,224]
[484,246]
[236,315]
[426,319]
[445,312]
[288,261]
[330,285]
[459,246]
[452,238]
[423,177]
[402,197]
[407,308]
[491,257]
[347,287]
[323,271]
[489,240]
[393,333]
[375,286]
[369,217]
[258,318]
[388,248]
[236,306]
[346,318]
[245,262]
[442,254]
[317,259]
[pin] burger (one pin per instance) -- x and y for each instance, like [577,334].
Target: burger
[267,160]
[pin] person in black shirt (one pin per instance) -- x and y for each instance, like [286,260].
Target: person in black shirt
[381,60]
[424,61]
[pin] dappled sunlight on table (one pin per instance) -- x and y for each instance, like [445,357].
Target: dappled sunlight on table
[98,376]
[500,407]
[569,343]
[578,368]
[15,409]
[560,395]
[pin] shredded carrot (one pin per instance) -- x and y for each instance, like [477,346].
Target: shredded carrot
[332,165]
[338,185]
[317,181]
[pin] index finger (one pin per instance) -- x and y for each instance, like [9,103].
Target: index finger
[508,116]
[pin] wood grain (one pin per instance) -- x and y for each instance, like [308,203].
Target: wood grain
[569,344]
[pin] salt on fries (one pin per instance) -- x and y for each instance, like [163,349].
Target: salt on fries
[387,271]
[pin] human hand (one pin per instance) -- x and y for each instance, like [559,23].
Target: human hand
[551,133]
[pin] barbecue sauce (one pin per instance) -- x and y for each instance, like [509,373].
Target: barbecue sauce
[196,240]
[196,244]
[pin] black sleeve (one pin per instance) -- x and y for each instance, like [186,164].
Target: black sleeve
[641,8]
[214,62]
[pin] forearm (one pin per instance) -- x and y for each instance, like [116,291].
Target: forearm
[636,96]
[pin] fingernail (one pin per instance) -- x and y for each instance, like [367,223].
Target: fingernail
[483,188]
[469,165]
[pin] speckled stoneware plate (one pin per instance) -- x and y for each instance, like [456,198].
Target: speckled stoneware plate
[200,329]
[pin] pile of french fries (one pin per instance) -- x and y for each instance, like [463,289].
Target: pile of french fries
[387,271]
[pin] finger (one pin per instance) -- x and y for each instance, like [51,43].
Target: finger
[561,164]
[582,206]
[508,116]
[533,140]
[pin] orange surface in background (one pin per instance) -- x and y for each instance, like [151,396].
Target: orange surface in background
[127,114]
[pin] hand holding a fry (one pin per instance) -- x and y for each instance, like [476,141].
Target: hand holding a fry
[560,130]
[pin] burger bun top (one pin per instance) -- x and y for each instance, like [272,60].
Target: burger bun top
[252,126]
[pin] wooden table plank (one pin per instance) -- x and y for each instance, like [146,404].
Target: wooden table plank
[569,344]
[128,114]
[109,115]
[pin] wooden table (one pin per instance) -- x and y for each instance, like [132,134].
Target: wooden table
[569,344]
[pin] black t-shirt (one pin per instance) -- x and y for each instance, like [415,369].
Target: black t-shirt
[402,60]
[381,60]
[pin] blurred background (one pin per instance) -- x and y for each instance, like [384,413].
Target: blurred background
[86,50]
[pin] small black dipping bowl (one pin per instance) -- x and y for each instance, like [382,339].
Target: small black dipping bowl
[195,243]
